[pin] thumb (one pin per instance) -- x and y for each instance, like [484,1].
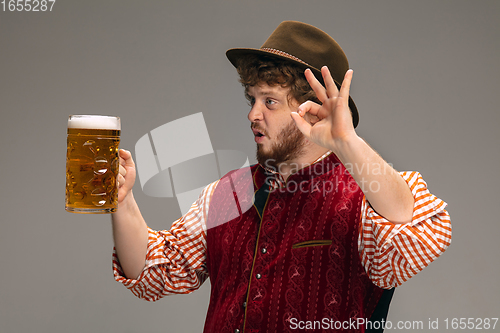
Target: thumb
[302,124]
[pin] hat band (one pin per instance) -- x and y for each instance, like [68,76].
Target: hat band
[284,54]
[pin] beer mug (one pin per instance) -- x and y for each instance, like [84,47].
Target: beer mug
[92,164]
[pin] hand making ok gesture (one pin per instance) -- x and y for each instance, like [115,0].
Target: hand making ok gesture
[335,124]
[392,197]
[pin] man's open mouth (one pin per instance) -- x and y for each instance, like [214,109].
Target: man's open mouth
[257,133]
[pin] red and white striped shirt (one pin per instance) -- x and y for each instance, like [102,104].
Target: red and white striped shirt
[391,253]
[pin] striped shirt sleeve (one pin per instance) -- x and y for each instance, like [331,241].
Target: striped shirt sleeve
[393,253]
[175,259]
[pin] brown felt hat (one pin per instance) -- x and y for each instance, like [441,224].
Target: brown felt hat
[305,46]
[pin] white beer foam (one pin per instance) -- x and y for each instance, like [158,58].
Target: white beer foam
[94,122]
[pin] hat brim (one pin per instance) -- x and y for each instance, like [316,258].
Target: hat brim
[237,53]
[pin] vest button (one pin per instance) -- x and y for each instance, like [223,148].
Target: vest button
[236,331]
[264,250]
[258,276]
[244,305]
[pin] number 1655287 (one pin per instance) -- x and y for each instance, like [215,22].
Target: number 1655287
[27,5]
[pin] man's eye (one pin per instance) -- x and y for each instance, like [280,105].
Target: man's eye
[270,102]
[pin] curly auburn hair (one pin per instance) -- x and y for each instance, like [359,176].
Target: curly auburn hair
[254,70]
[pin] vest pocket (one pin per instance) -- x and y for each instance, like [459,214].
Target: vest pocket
[318,242]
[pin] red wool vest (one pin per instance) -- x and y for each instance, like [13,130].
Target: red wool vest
[295,266]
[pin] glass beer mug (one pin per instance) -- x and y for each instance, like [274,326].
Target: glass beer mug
[92,164]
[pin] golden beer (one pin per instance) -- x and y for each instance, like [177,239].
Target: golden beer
[92,164]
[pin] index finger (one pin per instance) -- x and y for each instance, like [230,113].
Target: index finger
[125,157]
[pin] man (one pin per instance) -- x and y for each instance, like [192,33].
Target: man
[331,230]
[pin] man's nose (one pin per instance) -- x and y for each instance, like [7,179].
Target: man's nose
[255,113]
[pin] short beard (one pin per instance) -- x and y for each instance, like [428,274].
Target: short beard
[289,145]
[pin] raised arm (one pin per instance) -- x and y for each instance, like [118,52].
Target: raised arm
[385,190]
[130,232]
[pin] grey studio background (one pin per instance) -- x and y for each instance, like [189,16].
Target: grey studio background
[426,82]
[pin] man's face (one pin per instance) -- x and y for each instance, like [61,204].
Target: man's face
[278,138]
